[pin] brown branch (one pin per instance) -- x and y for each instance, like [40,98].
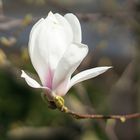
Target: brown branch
[122,118]
[58,102]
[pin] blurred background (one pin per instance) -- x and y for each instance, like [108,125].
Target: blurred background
[111,29]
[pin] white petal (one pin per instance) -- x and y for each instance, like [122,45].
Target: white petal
[47,44]
[63,22]
[87,74]
[52,17]
[40,65]
[76,27]
[58,37]
[31,82]
[35,28]
[67,65]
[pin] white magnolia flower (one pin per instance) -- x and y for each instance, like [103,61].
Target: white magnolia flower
[56,51]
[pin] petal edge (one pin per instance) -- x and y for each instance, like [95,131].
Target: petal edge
[76,27]
[88,74]
[31,82]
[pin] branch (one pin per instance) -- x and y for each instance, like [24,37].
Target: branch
[122,118]
[58,103]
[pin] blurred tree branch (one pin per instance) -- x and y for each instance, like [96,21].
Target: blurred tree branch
[7,23]
[42,133]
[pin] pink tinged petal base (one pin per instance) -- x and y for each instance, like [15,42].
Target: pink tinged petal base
[71,59]
[87,74]
[49,79]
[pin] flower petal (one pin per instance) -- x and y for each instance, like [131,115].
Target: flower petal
[47,44]
[67,65]
[68,29]
[35,28]
[40,65]
[87,74]
[76,27]
[31,82]
[57,38]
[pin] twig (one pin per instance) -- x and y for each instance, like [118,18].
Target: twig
[59,104]
[122,118]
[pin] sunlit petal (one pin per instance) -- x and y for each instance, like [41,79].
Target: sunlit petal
[63,22]
[87,74]
[76,27]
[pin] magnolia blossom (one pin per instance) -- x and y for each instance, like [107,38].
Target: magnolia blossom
[56,51]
